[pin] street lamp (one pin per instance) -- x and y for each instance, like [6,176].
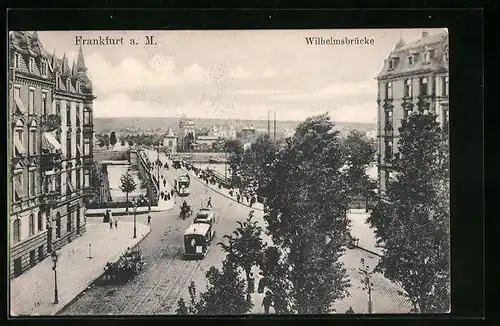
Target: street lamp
[54,267]
[367,283]
[135,215]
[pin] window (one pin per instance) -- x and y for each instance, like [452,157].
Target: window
[392,64]
[69,180]
[32,180]
[58,225]
[86,146]
[388,90]
[58,136]
[77,86]
[68,147]
[17,60]
[18,142]
[411,60]
[445,56]
[77,116]
[445,85]
[44,103]
[18,185]
[58,109]
[31,104]
[40,221]
[58,81]
[17,92]
[33,143]
[17,230]
[32,224]
[68,114]
[69,220]
[47,184]
[58,183]
[44,68]
[427,57]
[32,64]
[78,179]
[423,86]
[408,90]
[388,120]
[388,149]
[86,178]
[68,82]
[78,142]
[86,117]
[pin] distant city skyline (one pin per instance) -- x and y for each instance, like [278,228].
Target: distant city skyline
[234,74]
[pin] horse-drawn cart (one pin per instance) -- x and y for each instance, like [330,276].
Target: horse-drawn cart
[127,266]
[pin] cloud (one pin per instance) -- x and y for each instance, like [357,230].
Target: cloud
[239,73]
[132,75]
[331,91]
[269,73]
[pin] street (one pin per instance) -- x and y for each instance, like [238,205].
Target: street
[166,275]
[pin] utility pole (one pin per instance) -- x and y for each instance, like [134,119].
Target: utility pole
[274,126]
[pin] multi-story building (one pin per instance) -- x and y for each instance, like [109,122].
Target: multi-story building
[412,72]
[50,174]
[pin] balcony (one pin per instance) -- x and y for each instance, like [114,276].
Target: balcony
[49,198]
[50,161]
[51,122]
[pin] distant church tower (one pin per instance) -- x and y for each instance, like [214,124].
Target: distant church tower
[187,126]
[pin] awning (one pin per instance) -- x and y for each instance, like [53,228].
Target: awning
[18,146]
[18,190]
[49,142]
[70,187]
[19,104]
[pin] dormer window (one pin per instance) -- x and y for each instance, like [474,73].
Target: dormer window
[32,64]
[44,68]
[58,81]
[411,60]
[445,56]
[427,57]
[17,60]
[77,86]
[392,64]
[68,81]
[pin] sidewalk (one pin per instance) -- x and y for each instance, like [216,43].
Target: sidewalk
[121,211]
[361,230]
[32,293]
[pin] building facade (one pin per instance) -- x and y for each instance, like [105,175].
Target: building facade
[170,142]
[412,72]
[51,150]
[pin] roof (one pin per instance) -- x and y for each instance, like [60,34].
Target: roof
[197,228]
[436,42]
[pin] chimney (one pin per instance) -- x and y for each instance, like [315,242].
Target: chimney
[425,34]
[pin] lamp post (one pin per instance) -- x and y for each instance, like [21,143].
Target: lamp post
[54,267]
[135,215]
[367,283]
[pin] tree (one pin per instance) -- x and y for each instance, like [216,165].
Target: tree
[123,142]
[412,225]
[127,185]
[306,214]
[188,141]
[358,154]
[245,245]
[130,143]
[225,294]
[234,149]
[112,139]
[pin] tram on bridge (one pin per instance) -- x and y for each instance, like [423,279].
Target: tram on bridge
[181,185]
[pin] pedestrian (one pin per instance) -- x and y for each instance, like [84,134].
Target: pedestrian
[116,224]
[251,283]
[231,192]
[238,197]
[209,202]
[267,302]
[149,219]
[252,201]
[110,223]
[349,311]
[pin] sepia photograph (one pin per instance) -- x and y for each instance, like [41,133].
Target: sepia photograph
[228,172]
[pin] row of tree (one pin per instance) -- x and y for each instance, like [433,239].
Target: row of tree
[308,184]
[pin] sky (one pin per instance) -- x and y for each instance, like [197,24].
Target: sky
[234,74]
